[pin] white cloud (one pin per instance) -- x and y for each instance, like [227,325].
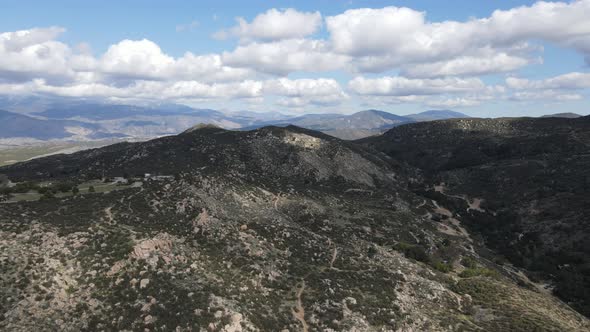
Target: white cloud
[144,59]
[568,81]
[368,31]
[548,95]
[34,53]
[436,63]
[303,87]
[275,25]
[286,56]
[402,86]
[558,88]
[391,37]
[302,92]
[469,65]
[136,59]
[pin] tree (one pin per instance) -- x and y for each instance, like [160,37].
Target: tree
[48,195]
[91,189]
[75,190]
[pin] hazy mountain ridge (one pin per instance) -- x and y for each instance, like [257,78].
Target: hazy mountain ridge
[568,115]
[360,124]
[111,120]
[14,125]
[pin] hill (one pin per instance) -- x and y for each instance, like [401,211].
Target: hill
[436,115]
[562,115]
[264,230]
[521,184]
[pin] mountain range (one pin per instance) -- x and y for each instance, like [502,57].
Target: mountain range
[449,225]
[88,121]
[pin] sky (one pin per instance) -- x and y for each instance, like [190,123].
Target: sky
[482,58]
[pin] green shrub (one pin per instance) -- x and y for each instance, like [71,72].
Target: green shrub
[469,262]
[442,267]
[48,195]
[24,187]
[413,251]
[478,271]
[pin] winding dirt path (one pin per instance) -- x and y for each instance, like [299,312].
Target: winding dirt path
[334,255]
[474,204]
[109,214]
[276,201]
[299,311]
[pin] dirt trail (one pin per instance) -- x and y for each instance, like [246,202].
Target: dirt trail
[299,311]
[334,255]
[473,204]
[109,214]
[276,201]
[455,222]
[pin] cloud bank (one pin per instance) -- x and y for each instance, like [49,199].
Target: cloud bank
[391,54]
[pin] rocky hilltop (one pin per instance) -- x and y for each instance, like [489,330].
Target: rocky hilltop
[275,229]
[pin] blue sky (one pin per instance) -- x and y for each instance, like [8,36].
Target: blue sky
[303,56]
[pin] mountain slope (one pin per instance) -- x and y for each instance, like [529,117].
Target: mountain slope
[16,125]
[265,230]
[522,184]
[436,115]
[562,115]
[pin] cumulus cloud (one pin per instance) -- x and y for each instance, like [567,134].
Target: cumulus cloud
[144,59]
[469,66]
[286,56]
[436,63]
[382,39]
[402,86]
[548,95]
[275,25]
[564,87]
[136,59]
[28,54]
[568,81]
[302,92]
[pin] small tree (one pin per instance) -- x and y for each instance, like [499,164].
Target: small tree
[48,195]
[75,190]
[91,189]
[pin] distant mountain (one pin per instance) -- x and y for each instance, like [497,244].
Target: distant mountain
[436,115]
[563,115]
[101,120]
[98,111]
[360,124]
[17,125]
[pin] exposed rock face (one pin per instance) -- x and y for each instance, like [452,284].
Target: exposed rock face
[269,230]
